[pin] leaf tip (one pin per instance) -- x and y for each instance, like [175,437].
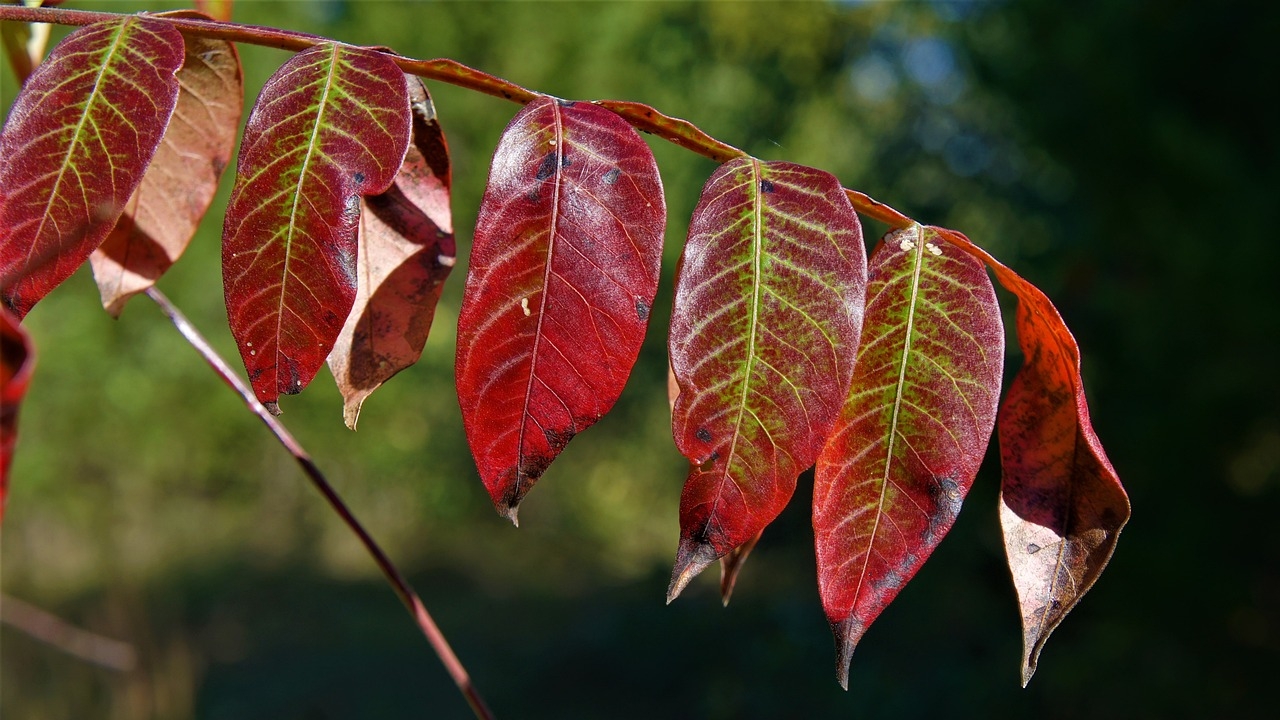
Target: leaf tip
[273,407]
[351,413]
[512,513]
[692,558]
[848,632]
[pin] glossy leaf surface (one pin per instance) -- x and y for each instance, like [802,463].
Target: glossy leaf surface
[162,214]
[903,455]
[563,273]
[768,308]
[17,359]
[406,252]
[331,125]
[75,146]
[1061,502]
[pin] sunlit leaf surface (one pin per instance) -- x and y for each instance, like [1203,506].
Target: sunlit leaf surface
[892,476]
[75,146]
[563,273]
[768,308]
[331,125]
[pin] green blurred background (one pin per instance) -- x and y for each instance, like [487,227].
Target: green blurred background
[1122,154]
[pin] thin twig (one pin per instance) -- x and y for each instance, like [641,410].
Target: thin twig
[58,633]
[389,570]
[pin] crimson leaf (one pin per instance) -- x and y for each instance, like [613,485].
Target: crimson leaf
[406,252]
[903,454]
[1061,502]
[330,125]
[162,214]
[17,359]
[563,272]
[79,136]
[768,308]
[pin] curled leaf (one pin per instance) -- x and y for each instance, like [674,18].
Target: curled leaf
[768,308]
[331,125]
[77,141]
[1061,503]
[903,455]
[563,273]
[406,252]
[162,214]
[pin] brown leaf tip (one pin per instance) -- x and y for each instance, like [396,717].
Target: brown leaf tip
[848,633]
[692,557]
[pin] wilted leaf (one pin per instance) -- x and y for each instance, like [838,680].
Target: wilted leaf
[75,146]
[162,215]
[768,307]
[331,124]
[563,273]
[17,358]
[406,252]
[1061,503]
[903,454]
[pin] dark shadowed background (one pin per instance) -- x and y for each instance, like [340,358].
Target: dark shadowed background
[1122,154]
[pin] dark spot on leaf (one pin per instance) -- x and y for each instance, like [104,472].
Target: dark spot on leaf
[566,103]
[642,310]
[547,167]
[293,385]
[611,177]
[533,196]
[557,439]
[1032,549]
[766,186]
[703,434]
[565,161]
[359,178]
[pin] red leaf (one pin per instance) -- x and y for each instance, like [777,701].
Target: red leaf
[1061,503]
[162,215]
[331,124]
[904,453]
[563,273]
[75,146]
[768,308]
[406,252]
[17,359]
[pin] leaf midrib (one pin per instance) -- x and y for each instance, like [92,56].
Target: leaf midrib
[558,150]
[918,263]
[297,198]
[89,102]
[757,251]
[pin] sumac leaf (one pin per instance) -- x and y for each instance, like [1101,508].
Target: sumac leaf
[768,308]
[330,125]
[78,139]
[17,359]
[919,416]
[563,273]
[406,252]
[1061,502]
[162,214]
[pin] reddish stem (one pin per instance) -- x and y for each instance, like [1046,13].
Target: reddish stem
[389,570]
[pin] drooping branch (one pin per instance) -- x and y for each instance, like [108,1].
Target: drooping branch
[643,117]
[397,581]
